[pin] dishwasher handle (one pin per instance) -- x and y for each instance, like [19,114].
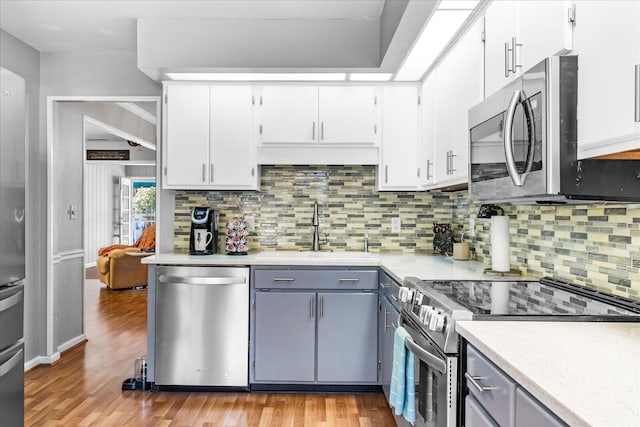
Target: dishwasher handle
[195,280]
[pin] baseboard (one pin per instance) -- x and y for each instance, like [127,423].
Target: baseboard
[41,360]
[72,343]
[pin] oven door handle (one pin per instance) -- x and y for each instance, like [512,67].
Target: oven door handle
[427,357]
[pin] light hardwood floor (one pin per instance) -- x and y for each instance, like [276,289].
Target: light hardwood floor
[84,387]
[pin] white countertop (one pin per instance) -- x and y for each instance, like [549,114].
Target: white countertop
[399,266]
[587,373]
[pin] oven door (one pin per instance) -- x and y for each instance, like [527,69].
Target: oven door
[436,377]
[507,141]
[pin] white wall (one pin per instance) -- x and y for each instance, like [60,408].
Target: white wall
[102,204]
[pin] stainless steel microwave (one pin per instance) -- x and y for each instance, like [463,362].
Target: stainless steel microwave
[523,144]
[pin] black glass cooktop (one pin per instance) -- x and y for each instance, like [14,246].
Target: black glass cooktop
[549,297]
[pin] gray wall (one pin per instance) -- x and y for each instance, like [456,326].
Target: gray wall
[24,60]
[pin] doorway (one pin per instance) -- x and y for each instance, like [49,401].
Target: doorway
[67,212]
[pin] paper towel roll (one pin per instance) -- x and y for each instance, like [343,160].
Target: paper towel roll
[500,243]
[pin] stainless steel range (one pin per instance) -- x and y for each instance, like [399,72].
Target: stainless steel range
[430,310]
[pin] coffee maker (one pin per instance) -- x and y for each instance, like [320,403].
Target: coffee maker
[203,239]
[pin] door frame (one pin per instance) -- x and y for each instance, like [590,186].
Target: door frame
[53,354]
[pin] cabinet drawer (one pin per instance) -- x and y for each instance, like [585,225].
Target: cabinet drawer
[389,288]
[497,396]
[315,279]
[531,413]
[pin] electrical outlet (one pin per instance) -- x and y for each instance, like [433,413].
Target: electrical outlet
[251,220]
[472,227]
[396,225]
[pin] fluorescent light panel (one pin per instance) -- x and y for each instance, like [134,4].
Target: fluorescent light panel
[370,77]
[257,76]
[442,26]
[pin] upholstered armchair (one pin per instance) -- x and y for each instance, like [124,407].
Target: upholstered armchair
[120,266]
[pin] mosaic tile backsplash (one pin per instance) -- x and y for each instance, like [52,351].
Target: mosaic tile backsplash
[596,245]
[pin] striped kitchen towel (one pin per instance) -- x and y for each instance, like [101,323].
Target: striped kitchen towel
[402,394]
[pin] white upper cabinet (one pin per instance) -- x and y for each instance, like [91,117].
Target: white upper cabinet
[398,168]
[427,131]
[519,34]
[208,140]
[312,114]
[458,88]
[186,142]
[607,42]
[289,114]
[347,114]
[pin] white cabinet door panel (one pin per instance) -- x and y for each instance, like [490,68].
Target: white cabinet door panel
[428,130]
[289,114]
[232,155]
[501,23]
[347,114]
[187,141]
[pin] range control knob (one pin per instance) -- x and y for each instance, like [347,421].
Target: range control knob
[437,323]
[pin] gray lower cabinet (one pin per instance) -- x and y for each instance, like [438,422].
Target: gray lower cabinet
[495,399]
[285,336]
[347,337]
[314,326]
[388,323]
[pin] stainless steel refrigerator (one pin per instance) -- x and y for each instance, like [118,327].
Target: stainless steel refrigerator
[12,246]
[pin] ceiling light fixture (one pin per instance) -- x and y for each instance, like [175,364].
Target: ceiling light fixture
[257,76]
[370,77]
[443,25]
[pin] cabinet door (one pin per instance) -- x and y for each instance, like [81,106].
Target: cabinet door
[607,42]
[475,416]
[187,136]
[540,41]
[531,413]
[501,23]
[459,88]
[347,337]
[347,114]
[232,160]
[427,128]
[399,144]
[285,336]
[289,114]
[388,323]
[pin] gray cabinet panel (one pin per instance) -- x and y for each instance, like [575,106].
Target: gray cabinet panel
[285,336]
[475,416]
[531,413]
[316,279]
[347,337]
[388,323]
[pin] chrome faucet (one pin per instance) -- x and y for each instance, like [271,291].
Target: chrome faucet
[315,222]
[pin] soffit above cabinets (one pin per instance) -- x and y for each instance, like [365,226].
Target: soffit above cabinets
[227,35]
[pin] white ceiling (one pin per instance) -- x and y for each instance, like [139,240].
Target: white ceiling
[110,25]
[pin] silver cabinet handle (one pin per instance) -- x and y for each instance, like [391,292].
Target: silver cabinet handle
[637,118]
[211,172]
[311,304]
[202,280]
[429,169]
[13,300]
[253,171]
[474,381]
[321,307]
[283,279]
[7,366]
[386,174]
[313,131]
[395,298]
[322,130]
[384,286]
[451,161]
[514,44]
[348,280]
[506,59]
[204,172]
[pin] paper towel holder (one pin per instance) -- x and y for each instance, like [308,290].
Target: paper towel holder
[487,211]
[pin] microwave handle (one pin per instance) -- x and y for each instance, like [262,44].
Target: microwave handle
[507,138]
[528,112]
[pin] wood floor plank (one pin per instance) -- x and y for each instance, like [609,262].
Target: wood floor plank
[84,387]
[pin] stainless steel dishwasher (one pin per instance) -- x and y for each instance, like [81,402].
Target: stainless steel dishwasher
[202,326]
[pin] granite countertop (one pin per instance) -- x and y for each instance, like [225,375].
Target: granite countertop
[399,266]
[587,373]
